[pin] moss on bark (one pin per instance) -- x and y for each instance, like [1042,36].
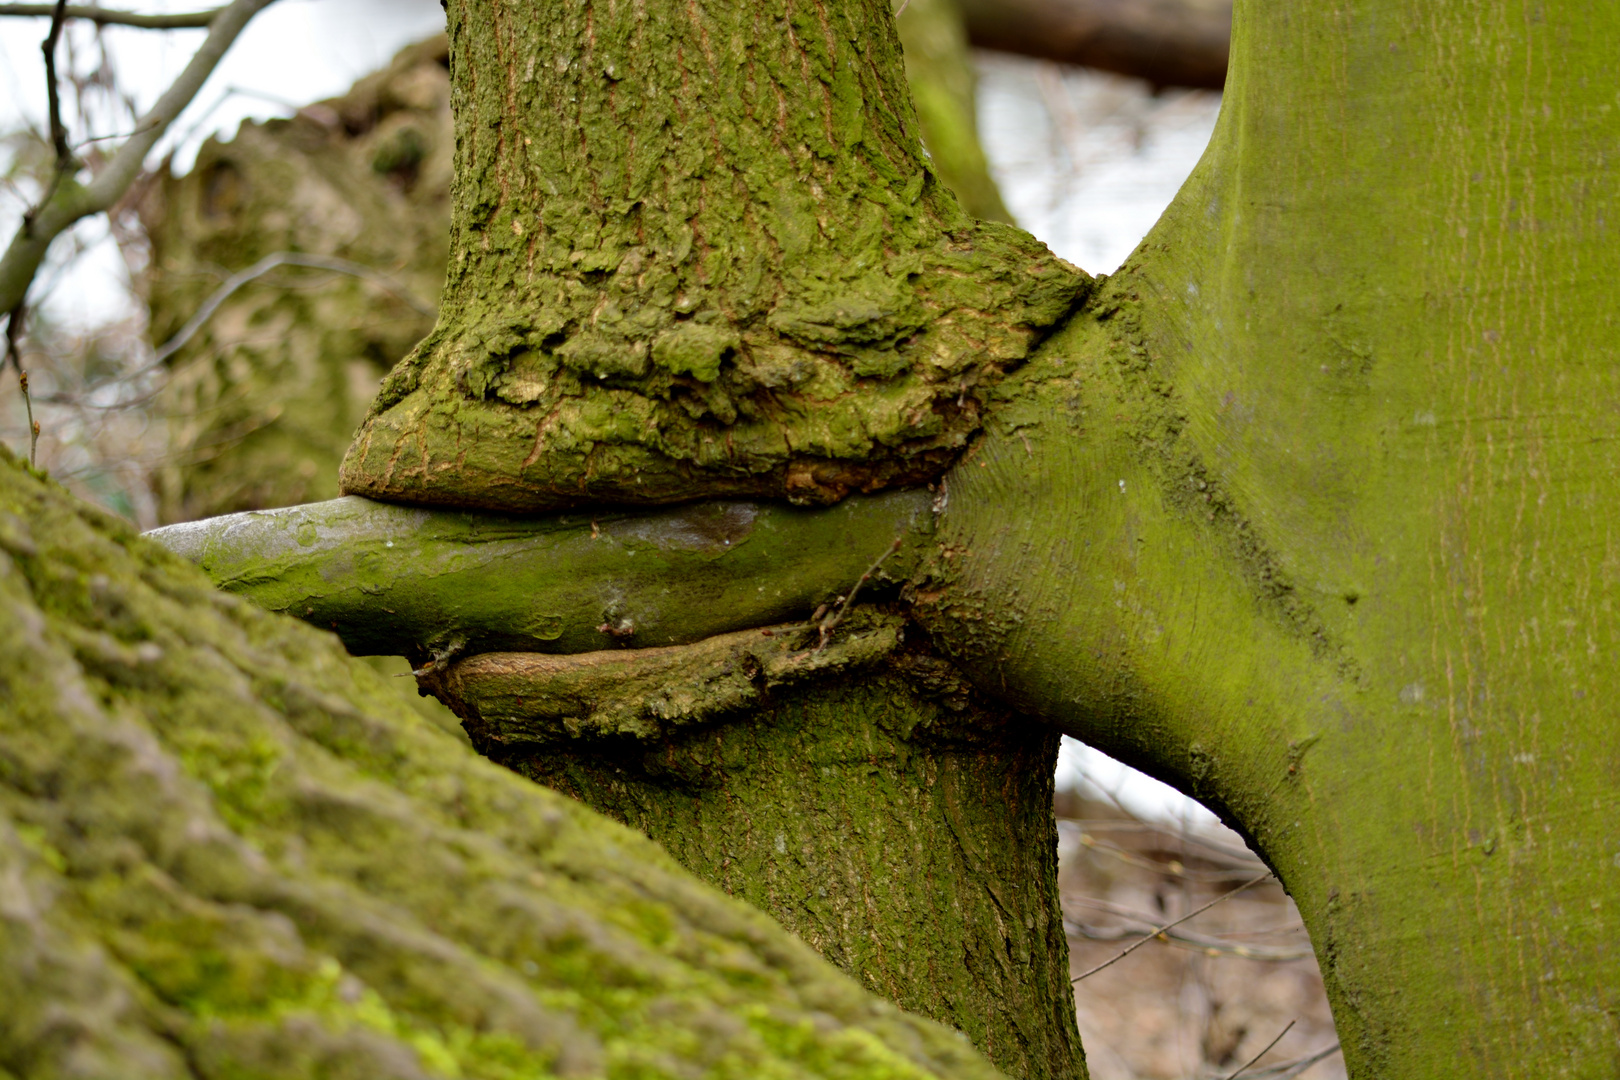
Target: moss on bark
[227,851]
[1311,514]
[697,251]
[858,790]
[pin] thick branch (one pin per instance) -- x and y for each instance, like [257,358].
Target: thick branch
[1167,42]
[72,201]
[404,581]
[187,20]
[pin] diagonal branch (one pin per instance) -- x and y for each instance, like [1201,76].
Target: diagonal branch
[224,292]
[186,20]
[71,201]
[1123,953]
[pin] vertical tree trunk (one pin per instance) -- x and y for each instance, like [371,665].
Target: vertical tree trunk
[892,819]
[1318,517]
[697,250]
[944,86]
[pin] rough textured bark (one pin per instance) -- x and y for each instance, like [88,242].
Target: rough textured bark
[861,793]
[697,251]
[949,904]
[263,402]
[226,850]
[1166,42]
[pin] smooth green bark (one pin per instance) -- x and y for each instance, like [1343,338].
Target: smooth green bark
[408,581]
[1309,512]
[943,84]
[1317,512]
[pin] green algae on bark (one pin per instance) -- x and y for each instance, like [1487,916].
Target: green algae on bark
[408,581]
[855,788]
[227,851]
[1312,513]
[697,252]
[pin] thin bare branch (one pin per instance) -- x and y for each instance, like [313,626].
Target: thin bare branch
[190,20]
[223,293]
[1289,1069]
[1245,1066]
[1123,953]
[14,358]
[264,266]
[1132,824]
[71,201]
[1174,868]
[59,141]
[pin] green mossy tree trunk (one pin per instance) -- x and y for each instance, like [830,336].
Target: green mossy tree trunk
[1310,511]
[866,797]
[1313,514]
[697,251]
[227,851]
[944,87]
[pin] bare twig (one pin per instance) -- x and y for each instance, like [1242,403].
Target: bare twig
[1123,953]
[1172,869]
[263,267]
[224,292]
[828,625]
[70,201]
[1289,1069]
[64,155]
[1209,946]
[1245,1066]
[1241,855]
[14,357]
[191,20]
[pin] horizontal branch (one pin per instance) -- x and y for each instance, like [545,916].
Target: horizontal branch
[400,580]
[1166,42]
[71,201]
[186,20]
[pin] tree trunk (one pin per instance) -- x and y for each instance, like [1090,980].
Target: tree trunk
[943,84]
[863,795]
[226,850]
[1311,514]
[697,251]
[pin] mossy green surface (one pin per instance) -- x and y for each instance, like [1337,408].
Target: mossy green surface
[697,252]
[411,581]
[227,851]
[857,789]
[939,71]
[1311,513]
